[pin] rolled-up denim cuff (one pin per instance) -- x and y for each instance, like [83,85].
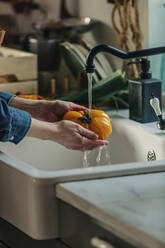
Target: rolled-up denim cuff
[6,96]
[10,99]
[21,122]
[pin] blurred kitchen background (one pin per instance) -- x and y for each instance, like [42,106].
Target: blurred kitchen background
[61,34]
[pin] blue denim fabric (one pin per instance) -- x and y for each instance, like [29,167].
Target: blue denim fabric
[14,123]
[6,96]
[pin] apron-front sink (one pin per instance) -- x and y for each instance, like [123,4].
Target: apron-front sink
[30,171]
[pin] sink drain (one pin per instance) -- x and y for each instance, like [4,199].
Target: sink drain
[151,156]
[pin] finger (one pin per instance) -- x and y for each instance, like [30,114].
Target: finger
[88,146]
[87,133]
[96,143]
[77,107]
[92,144]
[102,142]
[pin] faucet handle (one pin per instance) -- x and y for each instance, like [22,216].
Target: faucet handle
[99,243]
[156,106]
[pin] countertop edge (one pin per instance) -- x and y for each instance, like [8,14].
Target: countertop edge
[111,222]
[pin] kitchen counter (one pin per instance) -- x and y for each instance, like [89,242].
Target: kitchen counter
[133,207]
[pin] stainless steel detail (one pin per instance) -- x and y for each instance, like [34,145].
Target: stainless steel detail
[151,156]
[99,243]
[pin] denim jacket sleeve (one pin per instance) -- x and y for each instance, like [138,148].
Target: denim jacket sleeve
[14,123]
[6,96]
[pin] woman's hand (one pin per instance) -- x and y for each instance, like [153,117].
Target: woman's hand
[50,111]
[66,133]
[53,111]
[75,137]
[47,124]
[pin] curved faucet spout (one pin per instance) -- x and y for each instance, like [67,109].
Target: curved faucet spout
[90,67]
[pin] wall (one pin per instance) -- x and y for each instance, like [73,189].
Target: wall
[101,10]
[51,6]
[54,6]
[98,9]
[156,31]
[152,16]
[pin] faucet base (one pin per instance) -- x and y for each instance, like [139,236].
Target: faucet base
[140,93]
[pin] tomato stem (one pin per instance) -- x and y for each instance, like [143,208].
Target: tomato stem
[85,118]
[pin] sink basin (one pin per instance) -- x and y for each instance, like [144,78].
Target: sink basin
[132,141]
[30,171]
[129,142]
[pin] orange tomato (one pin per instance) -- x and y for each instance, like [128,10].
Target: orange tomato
[31,97]
[99,122]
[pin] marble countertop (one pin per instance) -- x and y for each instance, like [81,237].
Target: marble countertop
[133,207]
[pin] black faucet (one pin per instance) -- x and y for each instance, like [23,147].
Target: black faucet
[90,67]
[140,89]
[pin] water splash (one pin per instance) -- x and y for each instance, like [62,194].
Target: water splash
[107,155]
[103,157]
[99,156]
[85,159]
[86,153]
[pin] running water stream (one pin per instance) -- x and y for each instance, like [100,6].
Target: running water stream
[90,93]
[101,158]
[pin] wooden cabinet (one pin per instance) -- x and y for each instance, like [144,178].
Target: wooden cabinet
[77,229]
[11,237]
[2,245]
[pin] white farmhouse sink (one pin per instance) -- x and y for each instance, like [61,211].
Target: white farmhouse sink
[131,141]
[29,173]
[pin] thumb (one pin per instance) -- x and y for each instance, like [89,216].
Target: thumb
[87,133]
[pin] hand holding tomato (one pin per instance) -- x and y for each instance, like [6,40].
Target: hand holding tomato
[66,133]
[76,132]
[99,122]
[43,110]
